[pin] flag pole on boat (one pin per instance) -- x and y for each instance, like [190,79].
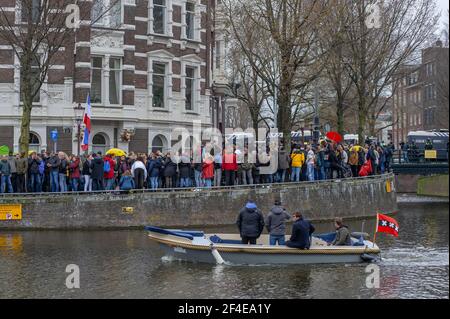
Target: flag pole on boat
[375,232]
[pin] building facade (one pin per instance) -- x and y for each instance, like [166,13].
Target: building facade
[420,100]
[148,66]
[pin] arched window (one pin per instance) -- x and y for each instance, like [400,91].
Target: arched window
[99,143]
[157,144]
[34,143]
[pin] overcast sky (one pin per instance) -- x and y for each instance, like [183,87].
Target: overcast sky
[443,6]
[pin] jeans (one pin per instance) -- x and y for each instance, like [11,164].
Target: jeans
[54,181]
[20,181]
[281,176]
[247,178]
[208,183]
[184,182]
[295,175]
[198,178]
[6,181]
[267,178]
[154,182]
[62,183]
[310,172]
[87,183]
[35,182]
[75,183]
[277,238]
[230,177]
[109,183]
[217,176]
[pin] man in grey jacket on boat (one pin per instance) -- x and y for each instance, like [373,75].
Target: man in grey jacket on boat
[276,224]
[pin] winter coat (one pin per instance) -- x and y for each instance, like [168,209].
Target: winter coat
[62,169]
[126,183]
[184,167]
[229,162]
[250,221]
[276,221]
[86,168]
[136,165]
[298,159]
[170,168]
[353,159]
[301,232]
[75,169]
[153,167]
[12,163]
[342,237]
[110,174]
[283,160]
[97,168]
[54,161]
[22,166]
[208,169]
[5,168]
[123,167]
[33,165]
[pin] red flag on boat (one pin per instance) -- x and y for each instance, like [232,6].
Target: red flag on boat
[386,224]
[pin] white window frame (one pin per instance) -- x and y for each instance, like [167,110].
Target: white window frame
[197,21]
[164,57]
[195,63]
[105,79]
[168,19]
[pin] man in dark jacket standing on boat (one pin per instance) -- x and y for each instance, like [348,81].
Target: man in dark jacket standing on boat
[302,231]
[276,224]
[250,223]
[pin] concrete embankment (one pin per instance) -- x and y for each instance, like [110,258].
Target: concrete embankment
[349,198]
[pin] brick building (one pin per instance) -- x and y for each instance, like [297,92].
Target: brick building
[148,65]
[420,100]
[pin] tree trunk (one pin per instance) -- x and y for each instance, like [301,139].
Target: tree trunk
[26,92]
[340,116]
[362,117]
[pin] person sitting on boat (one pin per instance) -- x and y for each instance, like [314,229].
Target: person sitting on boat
[276,224]
[342,234]
[250,223]
[302,231]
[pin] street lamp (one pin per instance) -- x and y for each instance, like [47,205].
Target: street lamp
[79,111]
[302,128]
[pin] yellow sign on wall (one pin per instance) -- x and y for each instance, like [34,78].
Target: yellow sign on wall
[430,154]
[10,212]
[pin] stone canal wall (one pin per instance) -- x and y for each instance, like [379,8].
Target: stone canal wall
[436,185]
[349,198]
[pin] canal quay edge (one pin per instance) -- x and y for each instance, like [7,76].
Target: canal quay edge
[319,201]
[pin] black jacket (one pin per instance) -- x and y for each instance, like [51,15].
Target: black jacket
[97,168]
[33,165]
[86,168]
[301,232]
[54,162]
[250,221]
[170,168]
[63,166]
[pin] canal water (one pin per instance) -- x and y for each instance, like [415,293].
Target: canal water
[125,264]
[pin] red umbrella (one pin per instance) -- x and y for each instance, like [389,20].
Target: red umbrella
[334,136]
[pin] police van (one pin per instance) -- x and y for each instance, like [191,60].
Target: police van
[420,138]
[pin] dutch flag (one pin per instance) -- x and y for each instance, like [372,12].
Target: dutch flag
[87,123]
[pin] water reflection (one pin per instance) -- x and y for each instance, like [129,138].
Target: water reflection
[125,264]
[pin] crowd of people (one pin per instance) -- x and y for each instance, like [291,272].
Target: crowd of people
[58,172]
[251,223]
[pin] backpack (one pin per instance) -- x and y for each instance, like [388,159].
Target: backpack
[106,167]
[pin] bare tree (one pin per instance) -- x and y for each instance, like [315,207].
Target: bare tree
[290,29]
[377,53]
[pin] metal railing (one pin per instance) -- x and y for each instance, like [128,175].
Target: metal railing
[196,189]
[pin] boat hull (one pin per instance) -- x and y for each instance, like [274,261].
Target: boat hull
[197,247]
